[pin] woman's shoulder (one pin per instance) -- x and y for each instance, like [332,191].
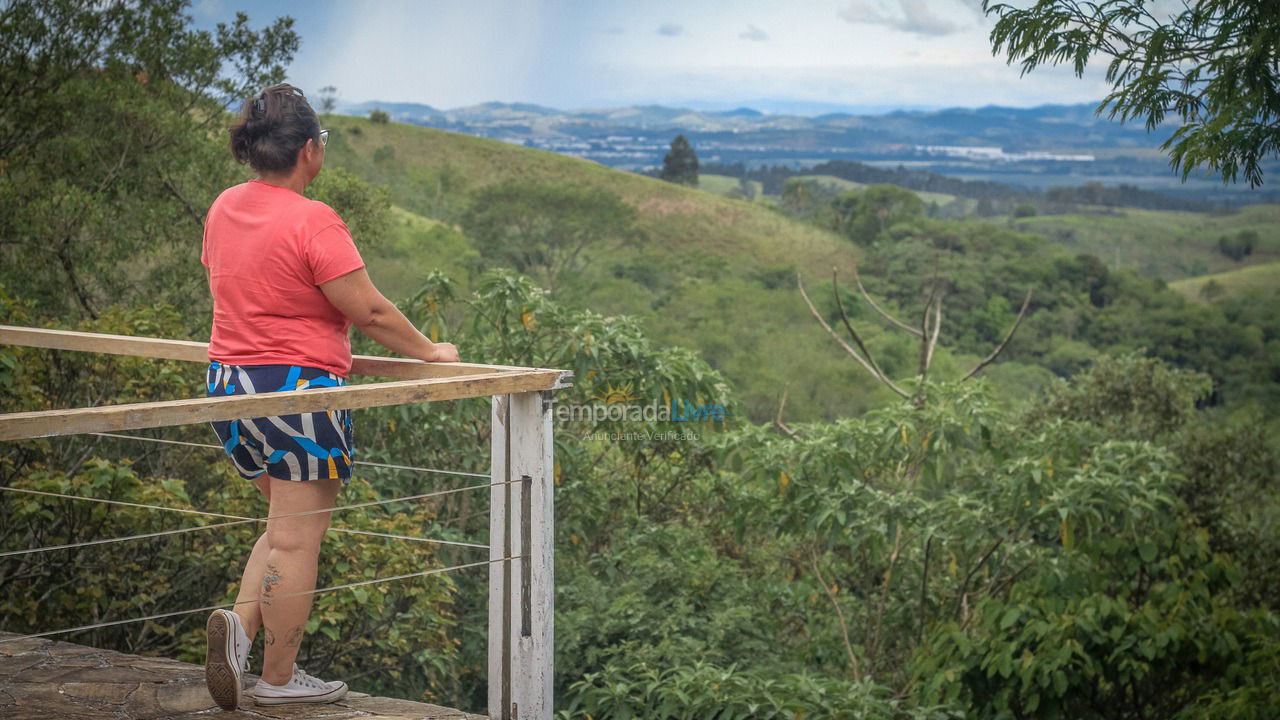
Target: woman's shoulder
[229,200]
[237,190]
[241,195]
[318,215]
[228,194]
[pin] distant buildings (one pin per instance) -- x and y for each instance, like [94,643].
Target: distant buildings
[995,154]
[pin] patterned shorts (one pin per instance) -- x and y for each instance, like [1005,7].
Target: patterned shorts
[301,447]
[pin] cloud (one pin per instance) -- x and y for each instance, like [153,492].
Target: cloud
[975,6]
[208,9]
[754,33]
[910,16]
[670,29]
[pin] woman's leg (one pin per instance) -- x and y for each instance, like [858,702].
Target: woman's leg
[251,581]
[292,546]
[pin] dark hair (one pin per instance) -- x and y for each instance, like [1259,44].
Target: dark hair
[273,127]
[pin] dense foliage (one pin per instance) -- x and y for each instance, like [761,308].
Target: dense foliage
[109,157]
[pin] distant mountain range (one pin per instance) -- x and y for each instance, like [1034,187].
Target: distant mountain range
[1047,127]
[1036,148]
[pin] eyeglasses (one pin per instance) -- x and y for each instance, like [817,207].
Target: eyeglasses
[324,137]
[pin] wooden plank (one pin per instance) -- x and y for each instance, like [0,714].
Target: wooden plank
[156,348]
[529,586]
[15,426]
[407,368]
[499,645]
[186,350]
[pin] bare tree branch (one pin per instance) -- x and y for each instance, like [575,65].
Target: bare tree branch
[924,586]
[964,586]
[914,331]
[844,628]
[817,315]
[1017,321]
[777,419]
[937,325]
[923,368]
[835,290]
[926,348]
[186,204]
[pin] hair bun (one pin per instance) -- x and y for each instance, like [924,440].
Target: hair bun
[273,126]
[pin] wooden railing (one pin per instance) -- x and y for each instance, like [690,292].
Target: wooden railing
[521,581]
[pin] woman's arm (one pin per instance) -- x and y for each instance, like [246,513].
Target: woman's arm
[356,297]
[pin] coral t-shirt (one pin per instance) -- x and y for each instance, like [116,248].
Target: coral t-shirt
[268,249]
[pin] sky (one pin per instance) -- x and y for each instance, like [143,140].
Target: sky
[804,56]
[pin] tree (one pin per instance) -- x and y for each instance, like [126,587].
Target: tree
[1212,65]
[1238,246]
[328,98]
[107,145]
[545,229]
[379,116]
[365,208]
[864,215]
[811,201]
[681,164]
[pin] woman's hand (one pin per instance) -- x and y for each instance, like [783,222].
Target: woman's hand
[445,352]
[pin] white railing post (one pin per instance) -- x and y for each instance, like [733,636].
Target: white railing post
[521,590]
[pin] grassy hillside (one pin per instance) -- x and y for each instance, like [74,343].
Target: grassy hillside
[1232,282]
[724,185]
[417,245]
[711,273]
[942,199]
[1164,244]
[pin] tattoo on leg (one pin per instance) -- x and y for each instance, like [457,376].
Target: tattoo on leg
[270,581]
[294,639]
[270,638]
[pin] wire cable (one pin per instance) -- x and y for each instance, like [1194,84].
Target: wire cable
[238,520]
[349,531]
[358,462]
[210,608]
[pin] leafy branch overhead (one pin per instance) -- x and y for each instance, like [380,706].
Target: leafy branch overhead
[1212,65]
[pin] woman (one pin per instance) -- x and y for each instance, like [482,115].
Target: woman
[287,283]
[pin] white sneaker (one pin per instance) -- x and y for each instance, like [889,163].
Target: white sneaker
[301,688]
[226,658]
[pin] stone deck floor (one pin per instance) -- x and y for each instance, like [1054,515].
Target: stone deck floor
[42,679]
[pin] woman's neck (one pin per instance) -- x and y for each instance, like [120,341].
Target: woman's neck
[294,180]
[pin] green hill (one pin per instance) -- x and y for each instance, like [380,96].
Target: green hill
[1165,244]
[1232,282]
[942,199]
[417,245]
[725,185]
[711,273]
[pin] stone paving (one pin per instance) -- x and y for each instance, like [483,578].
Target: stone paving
[43,679]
